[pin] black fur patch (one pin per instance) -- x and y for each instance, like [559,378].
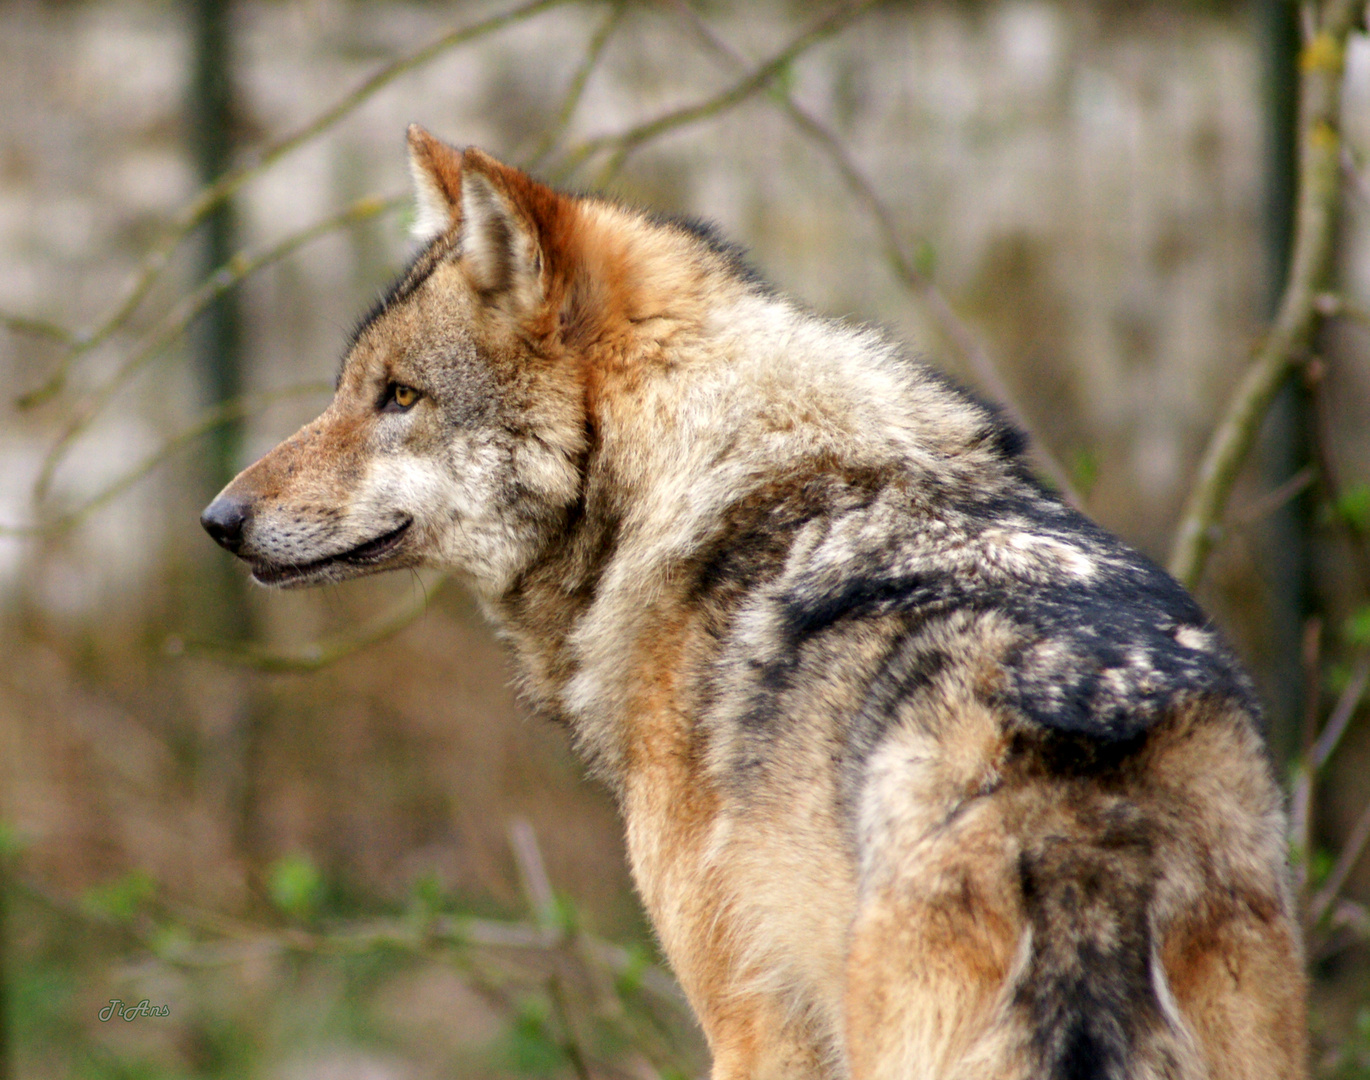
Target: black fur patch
[1096,659]
[1008,440]
[1098,655]
[1088,991]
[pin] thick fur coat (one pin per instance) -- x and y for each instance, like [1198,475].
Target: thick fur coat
[923,773]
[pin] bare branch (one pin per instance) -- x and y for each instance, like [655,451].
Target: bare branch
[920,284]
[312,657]
[623,143]
[236,409]
[533,872]
[1345,708]
[178,321]
[593,53]
[1272,501]
[24,324]
[1346,862]
[570,1042]
[1305,776]
[1321,63]
[194,212]
[1355,177]
[1301,826]
[1330,305]
[236,940]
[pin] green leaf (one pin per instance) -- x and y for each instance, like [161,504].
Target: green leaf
[1320,867]
[925,258]
[1084,470]
[628,981]
[11,843]
[1357,628]
[296,886]
[170,941]
[427,896]
[531,1049]
[122,898]
[1353,507]
[564,915]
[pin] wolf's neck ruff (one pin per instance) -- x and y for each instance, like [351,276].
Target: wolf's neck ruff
[923,773]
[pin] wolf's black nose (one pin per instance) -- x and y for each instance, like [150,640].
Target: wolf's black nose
[223,519]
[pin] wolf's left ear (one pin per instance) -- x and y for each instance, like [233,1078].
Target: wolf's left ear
[500,246]
[436,169]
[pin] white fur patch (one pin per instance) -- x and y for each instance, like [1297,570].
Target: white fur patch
[432,210]
[1070,558]
[1191,637]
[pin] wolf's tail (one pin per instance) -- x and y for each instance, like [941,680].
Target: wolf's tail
[1092,995]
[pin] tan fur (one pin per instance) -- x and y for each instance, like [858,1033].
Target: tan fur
[922,774]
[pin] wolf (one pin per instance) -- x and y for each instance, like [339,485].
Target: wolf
[923,774]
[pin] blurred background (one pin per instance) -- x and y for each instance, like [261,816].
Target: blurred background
[316,828]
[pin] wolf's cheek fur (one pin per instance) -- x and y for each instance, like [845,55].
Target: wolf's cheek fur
[453,500]
[480,508]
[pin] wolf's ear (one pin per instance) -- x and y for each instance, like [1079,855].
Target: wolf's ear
[500,247]
[436,169]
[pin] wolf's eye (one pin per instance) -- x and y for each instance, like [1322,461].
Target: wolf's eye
[399,398]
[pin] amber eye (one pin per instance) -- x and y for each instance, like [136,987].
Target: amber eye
[399,398]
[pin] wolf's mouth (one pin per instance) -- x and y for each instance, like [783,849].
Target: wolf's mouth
[365,554]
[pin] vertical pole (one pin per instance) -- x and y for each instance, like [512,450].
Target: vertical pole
[218,334]
[217,343]
[1286,442]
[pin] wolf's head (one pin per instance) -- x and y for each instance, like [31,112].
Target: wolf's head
[458,433]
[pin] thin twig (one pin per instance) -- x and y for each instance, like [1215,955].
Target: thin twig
[1305,780]
[176,322]
[576,90]
[986,372]
[1321,438]
[1355,177]
[1331,306]
[26,324]
[236,409]
[570,1041]
[1310,657]
[1321,62]
[1301,826]
[1346,862]
[1273,500]
[1316,757]
[312,657]
[191,215]
[624,142]
[1347,915]
[1341,716]
[537,887]
[349,938]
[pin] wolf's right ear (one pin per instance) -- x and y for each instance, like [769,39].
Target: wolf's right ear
[436,169]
